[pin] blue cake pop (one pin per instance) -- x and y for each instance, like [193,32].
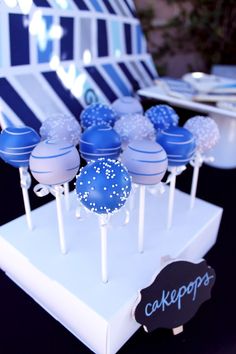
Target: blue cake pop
[54,163]
[97,114]
[127,105]
[103,186]
[16,144]
[179,144]
[162,116]
[100,141]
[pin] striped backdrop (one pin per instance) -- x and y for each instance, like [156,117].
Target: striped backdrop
[61,55]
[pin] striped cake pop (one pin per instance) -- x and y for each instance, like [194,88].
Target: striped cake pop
[97,114]
[100,141]
[54,163]
[132,127]
[179,144]
[146,162]
[16,144]
[127,105]
[205,131]
[61,127]
[162,116]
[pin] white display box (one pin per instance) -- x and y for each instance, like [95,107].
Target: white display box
[69,287]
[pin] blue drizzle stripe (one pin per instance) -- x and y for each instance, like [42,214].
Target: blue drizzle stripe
[33,171]
[154,161]
[51,156]
[102,41]
[110,70]
[66,50]
[11,97]
[134,83]
[148,70]
[130,8]
[109,7]
[145,174]
[128,43]
[68,99]
[145,152]
[41,3]
[105,88]
[96,5]
[72,168]
[81,5]
[19,44]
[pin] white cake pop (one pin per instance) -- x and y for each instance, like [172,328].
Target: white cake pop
[61,127]
[127,105]
[205,131]
[134,127]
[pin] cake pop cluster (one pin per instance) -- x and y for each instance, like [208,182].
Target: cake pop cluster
[103,186]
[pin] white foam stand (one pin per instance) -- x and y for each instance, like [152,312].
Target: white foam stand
[69,286]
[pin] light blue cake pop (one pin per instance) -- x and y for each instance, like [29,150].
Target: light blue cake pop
[127,105]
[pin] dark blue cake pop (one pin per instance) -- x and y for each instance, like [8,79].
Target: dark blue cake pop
[97,114]
[162,117]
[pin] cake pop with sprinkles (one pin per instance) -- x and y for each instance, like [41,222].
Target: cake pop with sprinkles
[205,131]
[97,114]
[100,141]
[127,105]
[103,186]
[61,127]
[179,144]
[162,116]
[133,127]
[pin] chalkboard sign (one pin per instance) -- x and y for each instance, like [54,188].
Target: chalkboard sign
[175,295]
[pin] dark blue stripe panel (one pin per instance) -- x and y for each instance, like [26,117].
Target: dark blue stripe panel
[129,76]
[102,41]
[130,8]
[19,40]
[13,100]
[81,5]
[68,99]
[41,3]
[109,7]
[127,28]
[110,70]
[67,24]
[148,70]
[105,88]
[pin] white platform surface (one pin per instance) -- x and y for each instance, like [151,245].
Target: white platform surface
[69,287]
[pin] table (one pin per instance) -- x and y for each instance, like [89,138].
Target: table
[225,151]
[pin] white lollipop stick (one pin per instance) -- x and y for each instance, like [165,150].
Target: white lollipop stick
[141,218]
[171,200]
[60,220]
[26,200]
[194,181]
[66,195]
[103,233]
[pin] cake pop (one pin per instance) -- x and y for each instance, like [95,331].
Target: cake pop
[97,114]
[127,105]
[162,116]
[146,162]
[103,187]
[132,127]
[100,141]
[16,144]
[180,146]
[61,127]
[206,133]
[52,164]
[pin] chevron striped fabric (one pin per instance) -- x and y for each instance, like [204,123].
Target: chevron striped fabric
[61,55]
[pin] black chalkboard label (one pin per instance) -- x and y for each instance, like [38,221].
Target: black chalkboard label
[175,295]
